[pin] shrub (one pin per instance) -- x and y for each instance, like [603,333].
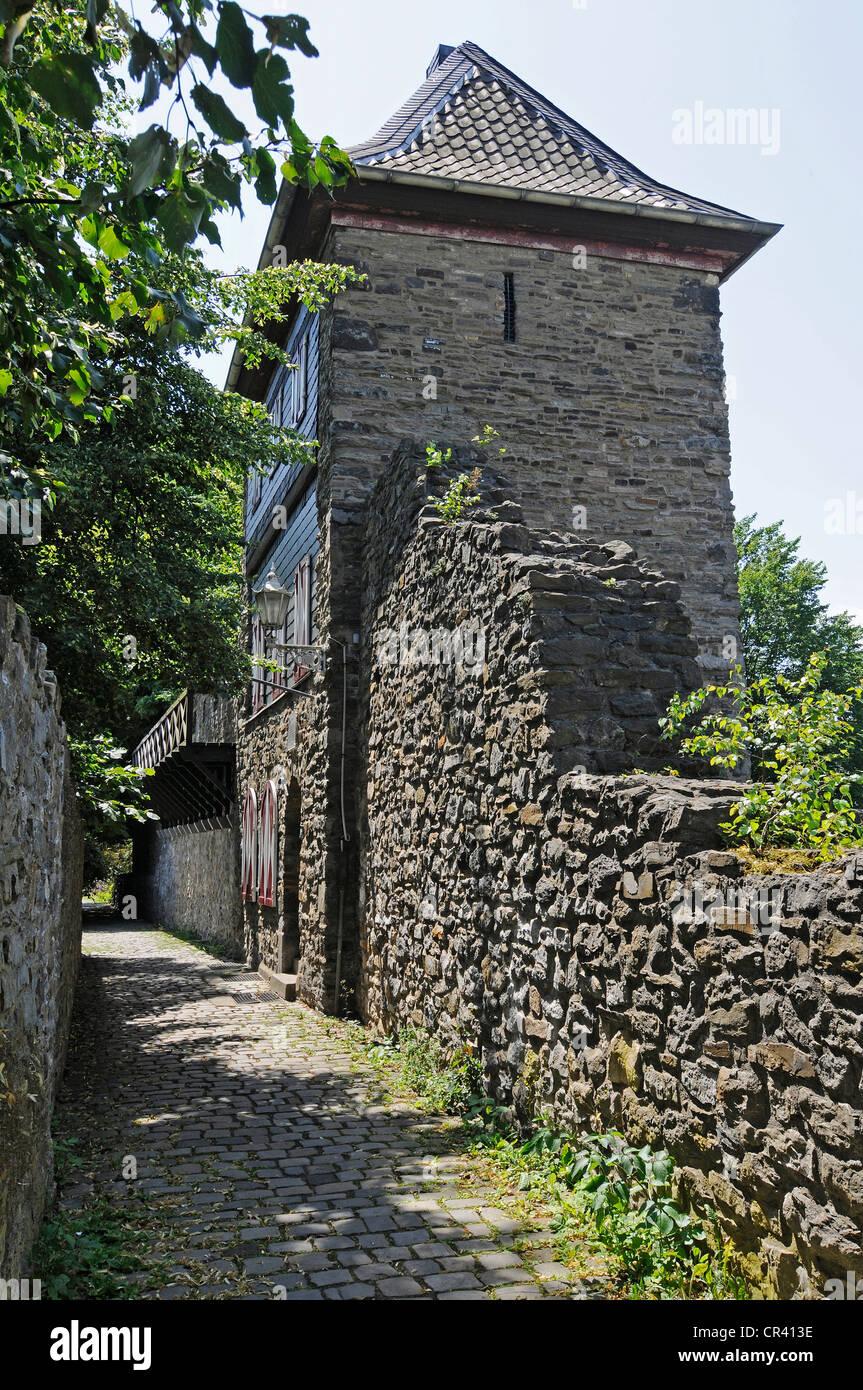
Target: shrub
[799,739]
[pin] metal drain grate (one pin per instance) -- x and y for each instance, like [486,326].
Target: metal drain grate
[261,997]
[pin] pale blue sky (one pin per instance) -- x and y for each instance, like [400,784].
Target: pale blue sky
[791,316]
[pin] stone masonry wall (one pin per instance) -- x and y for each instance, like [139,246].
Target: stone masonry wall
[296,743]
[611,398]
[612,964]
[188,876]
[41,867]
[193,881]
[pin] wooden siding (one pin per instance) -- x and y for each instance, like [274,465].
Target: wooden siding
[299,538]
[276,484]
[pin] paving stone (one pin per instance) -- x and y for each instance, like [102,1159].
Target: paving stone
[267,1265]
[265,1154]
[400,1287]
[330,1276]
[551,1271]
[497,1259]
[443,1283]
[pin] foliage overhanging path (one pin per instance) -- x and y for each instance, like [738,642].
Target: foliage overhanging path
[89,212]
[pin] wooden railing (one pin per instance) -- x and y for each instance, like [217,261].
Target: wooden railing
[170,733]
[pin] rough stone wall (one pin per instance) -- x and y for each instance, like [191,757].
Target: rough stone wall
[587,932]
[571,649]
[611,398]
[296,743]
[188,877]
[41,863]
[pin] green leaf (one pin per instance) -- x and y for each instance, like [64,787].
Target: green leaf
[152,88]
[272,95]
[111,246]
[323,172]
[218,114]
[68,83]
[91,196]
[235,45]
[265,183]
[221,183]
[179,217]
[289,31]
[145,154]
[5,381]
[203,50]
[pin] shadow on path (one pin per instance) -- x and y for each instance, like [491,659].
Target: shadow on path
[263,1150]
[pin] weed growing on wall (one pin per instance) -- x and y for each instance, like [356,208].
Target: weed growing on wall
[604,1193]
[618,1198]
[462,492]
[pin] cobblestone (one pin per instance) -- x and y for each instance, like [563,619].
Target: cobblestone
[272,1168]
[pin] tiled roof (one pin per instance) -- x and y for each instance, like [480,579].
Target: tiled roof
[474,120]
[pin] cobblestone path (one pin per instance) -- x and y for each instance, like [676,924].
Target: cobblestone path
[269,1161]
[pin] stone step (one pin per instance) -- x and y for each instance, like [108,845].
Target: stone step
[283,985]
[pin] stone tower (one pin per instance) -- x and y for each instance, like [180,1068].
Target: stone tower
[519,274]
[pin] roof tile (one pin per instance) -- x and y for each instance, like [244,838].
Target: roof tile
[474,120]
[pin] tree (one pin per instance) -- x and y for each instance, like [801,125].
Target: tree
[88,211]
[783,621]
[782,618]
[135,586]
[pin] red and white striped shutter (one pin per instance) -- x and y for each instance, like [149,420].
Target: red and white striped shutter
[269,836]
[259,649]
[249,861]
[302,611]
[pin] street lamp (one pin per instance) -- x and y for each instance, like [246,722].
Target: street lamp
[272,601]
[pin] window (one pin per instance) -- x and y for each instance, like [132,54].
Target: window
[302,611]
[268,844]
[299,382]
[255,484]
[249,853]
[509,307]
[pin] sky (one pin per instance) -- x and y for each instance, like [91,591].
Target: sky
[626,70]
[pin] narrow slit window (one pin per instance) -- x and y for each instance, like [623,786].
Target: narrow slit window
[508,307]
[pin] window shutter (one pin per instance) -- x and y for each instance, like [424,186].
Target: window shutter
[259,649]
[302,611]
[279,678]
[269,836]
[249,847]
